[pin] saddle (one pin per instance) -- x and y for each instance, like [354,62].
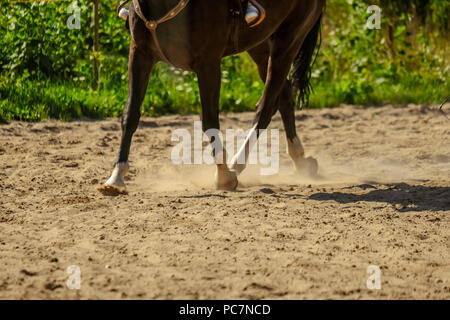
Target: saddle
[237,10]
[238,6]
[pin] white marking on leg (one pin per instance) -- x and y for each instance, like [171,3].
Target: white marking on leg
[241,158]
[117,176]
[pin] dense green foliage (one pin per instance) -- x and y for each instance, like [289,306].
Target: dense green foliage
[47,69]
[405,61]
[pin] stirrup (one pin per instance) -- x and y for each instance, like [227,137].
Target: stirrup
[124,12]
[255,9]
[252,14]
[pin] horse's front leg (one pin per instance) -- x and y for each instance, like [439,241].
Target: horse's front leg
[209,81]
[140,66]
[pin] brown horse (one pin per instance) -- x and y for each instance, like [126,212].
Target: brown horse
[196,40]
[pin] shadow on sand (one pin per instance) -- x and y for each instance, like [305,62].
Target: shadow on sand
[405,197]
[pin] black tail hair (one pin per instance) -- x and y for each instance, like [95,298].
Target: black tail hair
[303,63]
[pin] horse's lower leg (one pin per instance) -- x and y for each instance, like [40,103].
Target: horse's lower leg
[274,74]
[260,55]
[294,146]
[139,67]
[286,106]
[209,81]
[278,69]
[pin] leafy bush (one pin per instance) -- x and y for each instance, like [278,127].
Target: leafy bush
[46,68]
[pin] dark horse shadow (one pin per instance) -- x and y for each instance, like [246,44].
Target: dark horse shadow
[404,197]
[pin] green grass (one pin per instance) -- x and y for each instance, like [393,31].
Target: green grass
[173,91]
[407,90]
[177,92]
[46,70]
[35,101]
[170,91]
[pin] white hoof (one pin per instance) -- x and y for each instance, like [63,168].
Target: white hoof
[116,184]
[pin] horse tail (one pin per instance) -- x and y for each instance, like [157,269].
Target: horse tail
[303,63]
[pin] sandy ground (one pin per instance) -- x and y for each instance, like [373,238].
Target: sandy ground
[383,199]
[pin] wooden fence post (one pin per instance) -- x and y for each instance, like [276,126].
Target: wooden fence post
[96,45]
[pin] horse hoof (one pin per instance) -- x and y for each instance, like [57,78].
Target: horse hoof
[112,191]
[115,184]
[227,181]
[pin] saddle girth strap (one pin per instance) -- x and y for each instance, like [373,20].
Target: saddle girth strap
[238,16]
[152,25]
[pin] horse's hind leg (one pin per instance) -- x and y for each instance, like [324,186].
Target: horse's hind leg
[139,67]
[279,61]
[285,103]
[286,106]
[308,166]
